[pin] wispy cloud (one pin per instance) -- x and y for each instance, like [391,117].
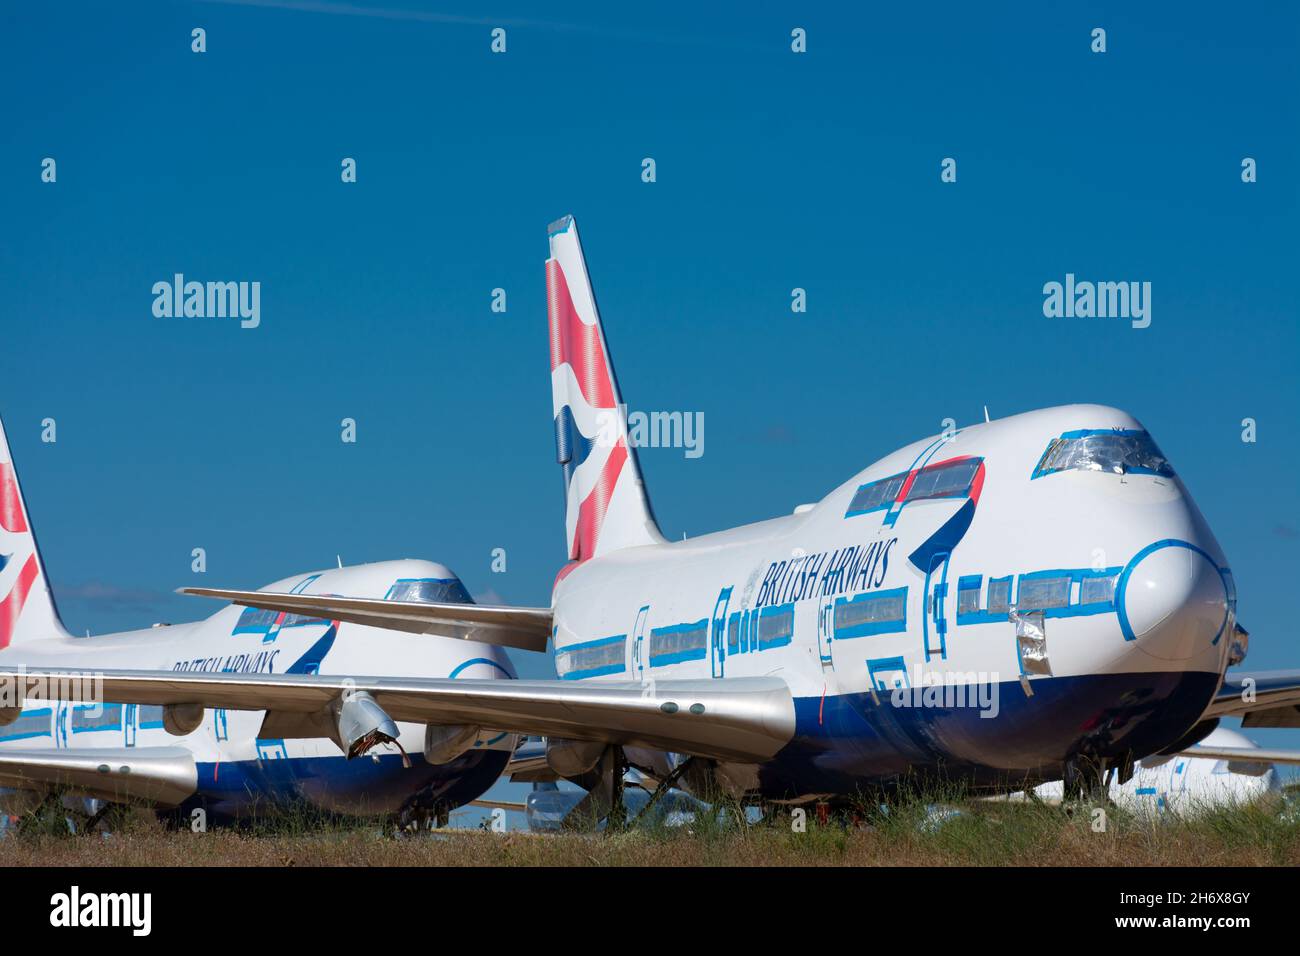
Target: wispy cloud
[109,596]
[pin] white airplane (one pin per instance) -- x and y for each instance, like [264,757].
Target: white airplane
[1049,571]
[232,763]
[1226,769]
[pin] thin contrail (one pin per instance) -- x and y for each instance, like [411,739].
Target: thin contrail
[336,8]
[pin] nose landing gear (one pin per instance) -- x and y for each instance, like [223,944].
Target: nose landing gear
[1088,777]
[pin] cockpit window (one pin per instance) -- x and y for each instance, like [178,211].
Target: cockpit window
[1119,452]
[430,591]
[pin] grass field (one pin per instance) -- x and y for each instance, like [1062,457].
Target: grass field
[983,835]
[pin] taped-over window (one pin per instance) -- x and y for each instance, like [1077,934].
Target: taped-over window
[591,658]
[951,479]
[775,626]
[1037,593]
[679,642]
[1119,452]
[1097,590]
[999,595]
[876,494]
[91,717]
[733,633]
[32,723]
[882,612]
[968,595]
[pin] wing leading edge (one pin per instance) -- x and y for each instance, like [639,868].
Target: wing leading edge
[741,719]
[527,628]
[1260,699]
[154,776]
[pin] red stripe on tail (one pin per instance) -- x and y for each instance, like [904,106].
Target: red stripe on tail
[575,342]
[591,513]
[12,606]
[11,508]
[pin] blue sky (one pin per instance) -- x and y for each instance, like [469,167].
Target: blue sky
[775,170]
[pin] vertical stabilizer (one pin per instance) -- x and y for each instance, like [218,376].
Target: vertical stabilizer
[27,608]
[606,507]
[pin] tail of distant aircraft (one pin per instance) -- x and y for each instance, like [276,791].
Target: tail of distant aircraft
[27,608]
[606,505]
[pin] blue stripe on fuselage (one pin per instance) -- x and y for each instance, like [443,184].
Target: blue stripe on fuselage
[362,786]
[849,741]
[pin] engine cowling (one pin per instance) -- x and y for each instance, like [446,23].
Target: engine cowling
[363,724]
[573,758]
[180,720]
[443,744]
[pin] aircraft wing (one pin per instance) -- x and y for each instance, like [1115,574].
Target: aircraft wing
[527,628]
[1260,699]
[156,776]
[1245,754]
[500,805]
[737,718]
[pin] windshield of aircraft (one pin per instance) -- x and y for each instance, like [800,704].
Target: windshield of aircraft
[430,591]
[1119,452]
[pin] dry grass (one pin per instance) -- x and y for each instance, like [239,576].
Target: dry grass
[984,835]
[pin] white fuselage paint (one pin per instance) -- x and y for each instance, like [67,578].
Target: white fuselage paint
[1189,785]
[237,770]
[1131,677]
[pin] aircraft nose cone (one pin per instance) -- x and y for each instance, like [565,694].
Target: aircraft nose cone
[1172,601]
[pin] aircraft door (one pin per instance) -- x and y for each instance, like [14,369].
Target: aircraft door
[638,640]
[130,723]
[718,643]
[825,632]
[62,712]
[938,608]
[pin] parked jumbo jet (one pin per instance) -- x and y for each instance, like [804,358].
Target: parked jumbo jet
[1050,571]
[234,762]
[1225,770]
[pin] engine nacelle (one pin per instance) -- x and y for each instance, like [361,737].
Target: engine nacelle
[180,720]
[573,758]
[443,744]
[363,724]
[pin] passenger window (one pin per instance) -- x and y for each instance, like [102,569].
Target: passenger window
[1038,593]
[999,595]
[1097,590]
[968,595]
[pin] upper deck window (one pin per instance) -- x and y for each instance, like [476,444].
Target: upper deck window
[259,620]
[950,479]
[1120,451]
[876,494]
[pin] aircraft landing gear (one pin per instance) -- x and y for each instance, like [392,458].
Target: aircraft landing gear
[665,785]
[1087,779]
[604,799]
